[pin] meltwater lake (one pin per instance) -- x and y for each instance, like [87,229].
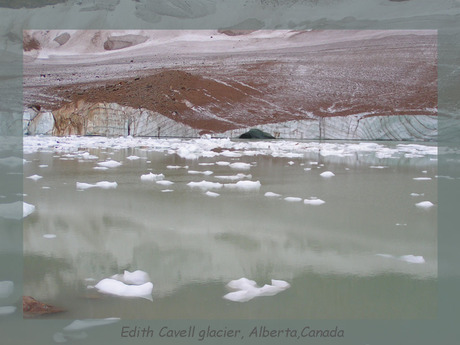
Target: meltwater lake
[349,229]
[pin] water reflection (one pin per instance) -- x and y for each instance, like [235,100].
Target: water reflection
[191,244]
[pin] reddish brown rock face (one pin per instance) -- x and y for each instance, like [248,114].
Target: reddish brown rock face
[310,76]
[31,307]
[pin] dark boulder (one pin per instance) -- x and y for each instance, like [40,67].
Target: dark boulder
[256,134]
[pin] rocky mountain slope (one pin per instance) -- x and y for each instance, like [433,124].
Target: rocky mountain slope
[294,84]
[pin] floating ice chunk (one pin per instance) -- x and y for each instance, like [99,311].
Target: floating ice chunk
[212,194]
[231,154]
[378,167]
[35,177]
[413,259]
[165,182]
[12,162]
[272,195]
[101,184]
[242,284]
[327,174]
[222,163]
[46,187]
[205,164]
[240,166]
[424,204]
[7,310]
[133,158]
[109,164]
[12,210]
[43,166]
[6,288]
[205,185]
[248,289]
[152,177]
[27,209]
[422,178]
[176,167]
[167,190]
[137,277]
[101,168]
[88,156]
[313,163]
[49,236]
[118,288]
[292,199]
[388,256]
[291,163]
[281,283]
[313,201]
[399,224]
[244,185]
[416,194]
[194,172]
[234,177]
[307,169]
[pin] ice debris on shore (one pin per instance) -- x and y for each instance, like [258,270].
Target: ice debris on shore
[128,284]
[101,184]
[248,289]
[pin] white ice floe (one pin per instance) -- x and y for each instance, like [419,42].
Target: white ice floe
[205,164]
[272,195]
[307,169]
[422,178]
[101,168]
[152,177]
[244,185]
[417,194]
[424,204]
[43,166]
[292,199]
[413,259]
[165,182]
[101,184]
[167,190]
[6,288]
[109,164]
[327,174]
[176,167]
[233,177]
[378,167]
[16,210]
[35,177]
[205,185]
[133,158]
[314,201]
[115,287]
[291,163]
[240,166]
[49,236]
[231,154]
[7,310]
[248,289]
[212,194]
[195,172]
[137,277]
[222,163]
[46,187]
